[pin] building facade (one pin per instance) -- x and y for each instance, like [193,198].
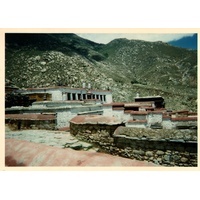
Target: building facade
[60,93]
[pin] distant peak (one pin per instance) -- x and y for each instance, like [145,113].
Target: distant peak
[188,42]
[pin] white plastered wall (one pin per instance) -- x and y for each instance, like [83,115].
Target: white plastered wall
[119,114]
[126,117]
[63,118]
[107,111]
[139,117]
[167,124]
[109,98]
[154,118]
[136,125]
[56,95]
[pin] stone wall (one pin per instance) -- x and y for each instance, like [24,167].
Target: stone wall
[188,122]
[17,124]
[98,134]
[163,147]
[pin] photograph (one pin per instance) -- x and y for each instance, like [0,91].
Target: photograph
[101,99]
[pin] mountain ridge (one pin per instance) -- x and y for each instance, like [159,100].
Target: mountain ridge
[188,42]
[124,66]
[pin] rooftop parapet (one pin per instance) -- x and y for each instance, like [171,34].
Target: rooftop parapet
[184,119]
[95,119]
[30,116]
[64,87]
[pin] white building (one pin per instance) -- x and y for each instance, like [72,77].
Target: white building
[60,93]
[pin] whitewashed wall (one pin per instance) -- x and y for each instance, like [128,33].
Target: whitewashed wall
[154,118]
[63,118]
[127,117]
[109,98]
[136,125]
[119,114]
[56,95]
[107,111]
[139,117]
[167,124]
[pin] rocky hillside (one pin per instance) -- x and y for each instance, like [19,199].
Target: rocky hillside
[124,66]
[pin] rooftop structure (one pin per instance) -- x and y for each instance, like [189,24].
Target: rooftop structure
[158,100]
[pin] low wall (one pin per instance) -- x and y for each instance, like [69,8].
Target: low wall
[165,147]
[100,134]
[160,146]
[95,129]
[31,124]
[30,121]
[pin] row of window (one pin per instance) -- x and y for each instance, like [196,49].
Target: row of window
[77,96]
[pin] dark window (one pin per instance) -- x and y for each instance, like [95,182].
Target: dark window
[73,96]
[68,96]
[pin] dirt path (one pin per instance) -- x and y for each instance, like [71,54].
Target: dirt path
[59,139]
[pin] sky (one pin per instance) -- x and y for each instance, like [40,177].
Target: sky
[107,37]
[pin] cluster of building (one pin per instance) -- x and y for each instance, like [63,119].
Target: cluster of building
[61,104]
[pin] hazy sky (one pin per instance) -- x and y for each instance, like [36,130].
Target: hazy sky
[107,37]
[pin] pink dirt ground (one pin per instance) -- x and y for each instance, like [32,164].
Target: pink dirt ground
[23,153]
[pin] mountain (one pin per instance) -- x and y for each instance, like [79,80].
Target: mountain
[189,42]
[125,66]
